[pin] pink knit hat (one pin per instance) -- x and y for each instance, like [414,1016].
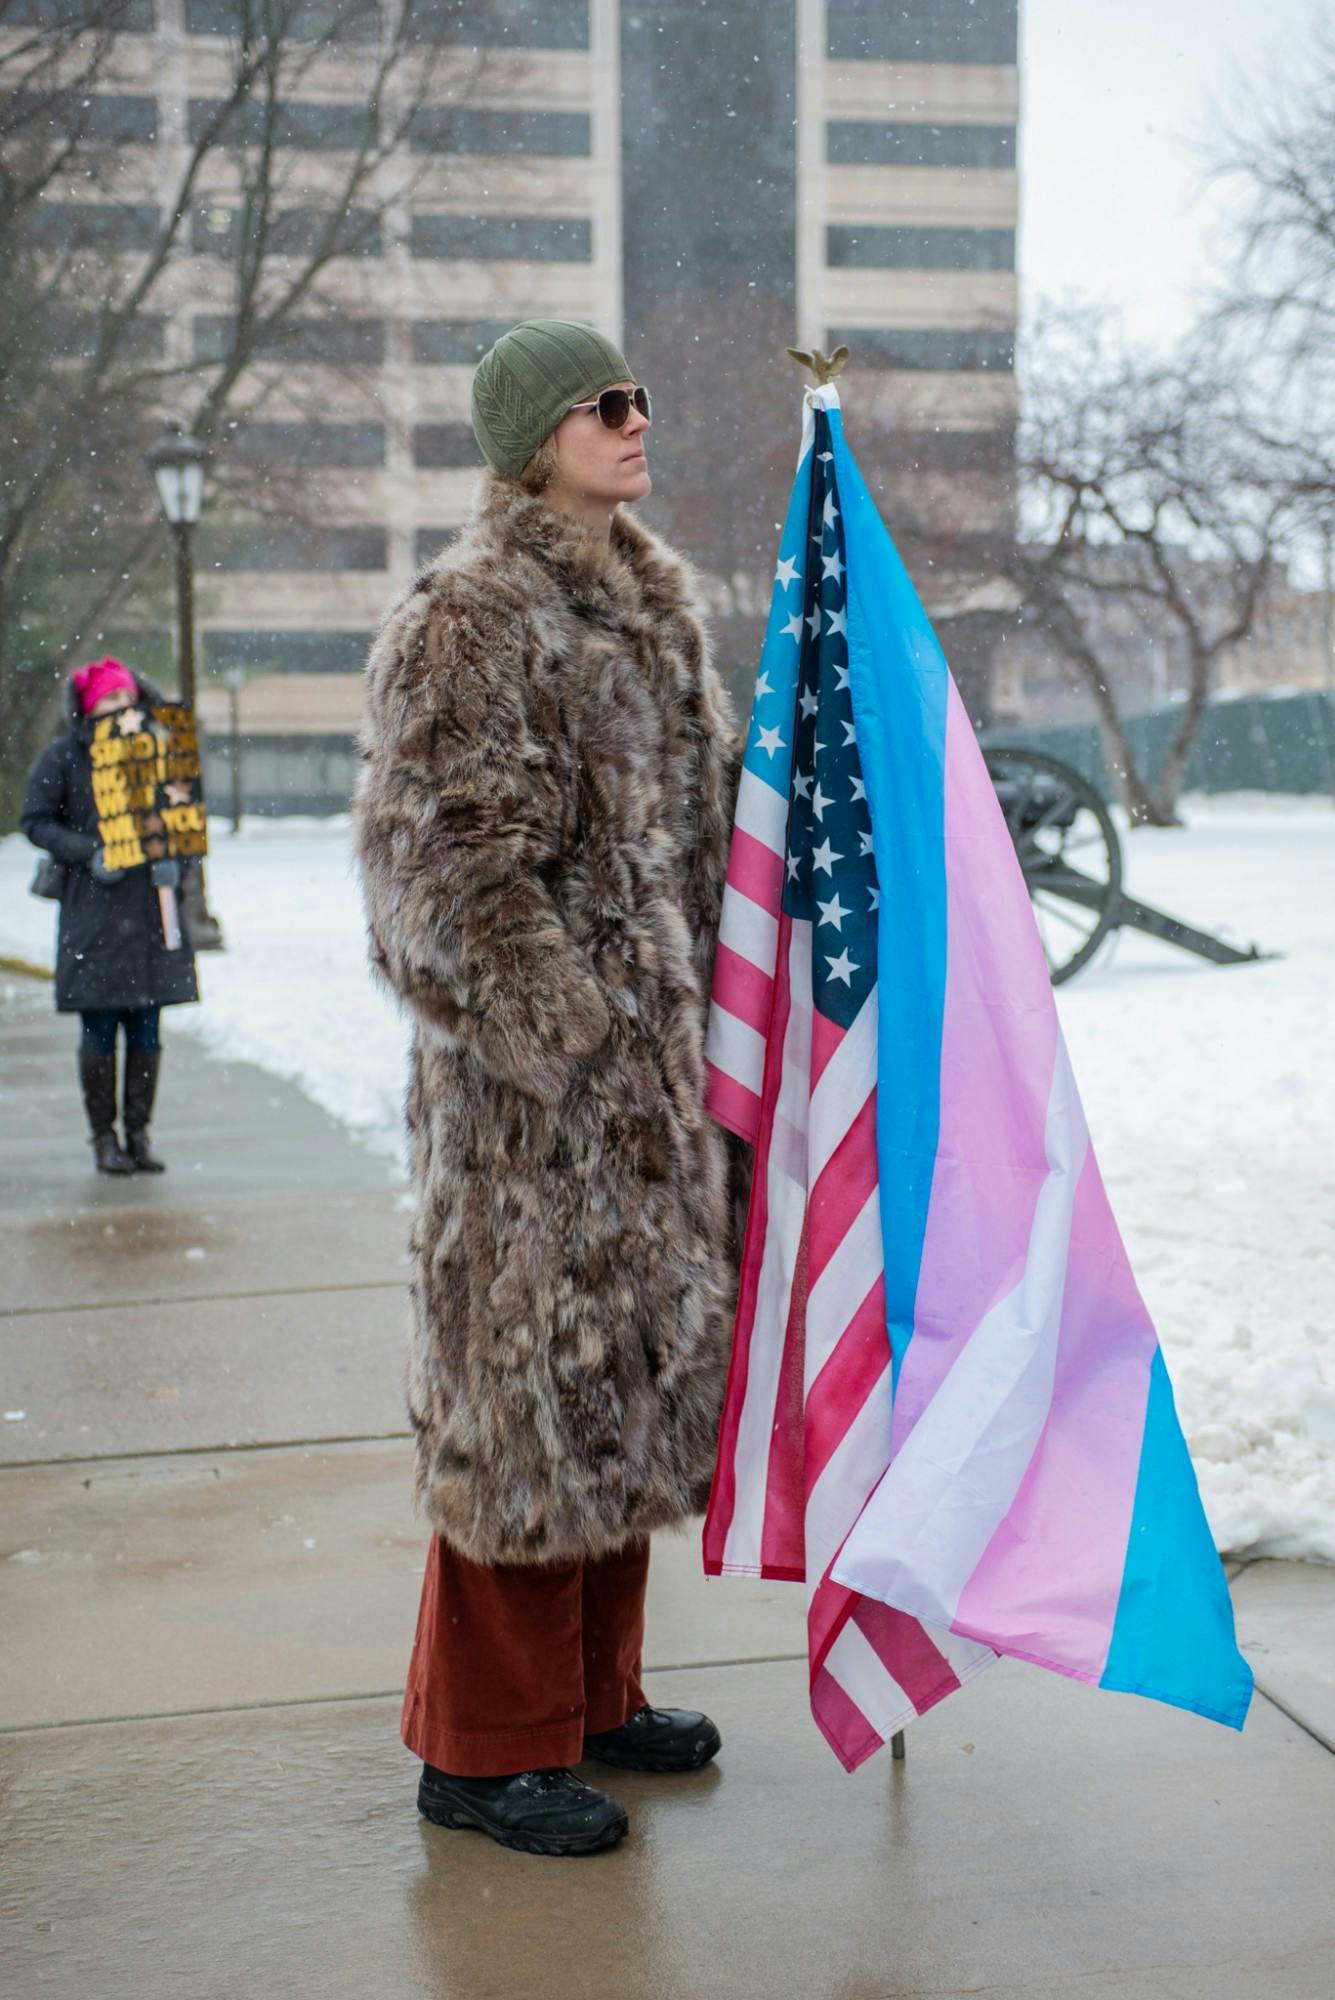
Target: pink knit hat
[99,678]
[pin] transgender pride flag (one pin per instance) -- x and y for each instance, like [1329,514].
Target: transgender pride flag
[947,1413]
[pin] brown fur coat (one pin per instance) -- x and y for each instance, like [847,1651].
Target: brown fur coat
[543,822]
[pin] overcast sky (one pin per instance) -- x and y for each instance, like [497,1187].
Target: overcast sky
[1117,95]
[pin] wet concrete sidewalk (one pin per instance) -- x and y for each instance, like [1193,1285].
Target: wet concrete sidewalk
[208,1579]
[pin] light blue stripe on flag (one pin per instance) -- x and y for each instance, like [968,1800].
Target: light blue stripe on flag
[900,682]
[1173,1634]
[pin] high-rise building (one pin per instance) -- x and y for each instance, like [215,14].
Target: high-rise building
[706,180]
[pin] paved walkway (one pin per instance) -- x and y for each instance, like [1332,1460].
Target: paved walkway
[208,1577]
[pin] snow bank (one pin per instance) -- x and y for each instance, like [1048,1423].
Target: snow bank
[1210,1094]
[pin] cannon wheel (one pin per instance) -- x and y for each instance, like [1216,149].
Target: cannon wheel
[1068,848]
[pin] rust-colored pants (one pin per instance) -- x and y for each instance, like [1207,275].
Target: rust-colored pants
[511,1666]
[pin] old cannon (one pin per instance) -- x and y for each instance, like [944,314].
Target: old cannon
[1068,846]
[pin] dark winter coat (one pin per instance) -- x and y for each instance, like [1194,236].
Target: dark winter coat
[110,950]
[543,823]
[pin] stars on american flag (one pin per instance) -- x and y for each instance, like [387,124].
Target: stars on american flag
[830,869]
[805,738]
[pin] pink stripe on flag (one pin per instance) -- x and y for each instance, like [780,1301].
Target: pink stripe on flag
[742,989]
[1049,1582]
[731,1104]
[723,1497]
[843,1186]
[997,1062]
[850,1375]
[826,1036]
[756,870]
[906,1652]
[783,1539]
[841,1722]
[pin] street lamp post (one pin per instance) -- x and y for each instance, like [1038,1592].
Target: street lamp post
[177,463]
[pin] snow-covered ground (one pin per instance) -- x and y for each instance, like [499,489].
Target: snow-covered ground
[1210,1094]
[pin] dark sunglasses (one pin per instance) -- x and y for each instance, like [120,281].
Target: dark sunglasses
[614,406]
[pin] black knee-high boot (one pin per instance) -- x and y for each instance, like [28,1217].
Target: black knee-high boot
[97,1078]
[141,1082]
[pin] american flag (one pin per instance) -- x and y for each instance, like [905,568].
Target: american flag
[792,1067]
[947,1413]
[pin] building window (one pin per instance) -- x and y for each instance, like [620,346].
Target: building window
[980,31]
[333,341]
[135,17]
[315,127]
[308,444]
[945,348]
[74,335]
[444,341]
[430,542]
[294,232]
[270,546]
[101,225]
[440,129]
[872,246]
[534,239]
[288,652]
[308,20]
[445,445]
[556,24]
[104,118]
[857,142]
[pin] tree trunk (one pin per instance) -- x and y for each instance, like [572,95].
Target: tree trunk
[1142,808]
[1184,740]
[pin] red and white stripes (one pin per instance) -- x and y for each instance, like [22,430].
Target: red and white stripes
[807,1425]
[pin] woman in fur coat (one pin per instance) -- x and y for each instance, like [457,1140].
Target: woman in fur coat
[543,819]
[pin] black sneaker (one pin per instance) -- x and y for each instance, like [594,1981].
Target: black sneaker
[658,1739]
[539,1812]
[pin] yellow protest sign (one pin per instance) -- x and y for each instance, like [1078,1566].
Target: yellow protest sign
[148,785]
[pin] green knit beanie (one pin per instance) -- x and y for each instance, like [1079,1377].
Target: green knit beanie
[526,383]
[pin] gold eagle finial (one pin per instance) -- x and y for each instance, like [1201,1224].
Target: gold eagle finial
[823,370]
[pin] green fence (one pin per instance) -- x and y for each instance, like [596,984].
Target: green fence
[1262,743]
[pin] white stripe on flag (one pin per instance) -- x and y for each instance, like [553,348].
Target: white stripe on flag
[846,1082]
[843,1285]
[735,1048]
[747,928]
[787,1197]
[762,812]
[848,1477]
[955,1477]
[854,1662]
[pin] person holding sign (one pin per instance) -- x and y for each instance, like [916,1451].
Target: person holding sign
[98,800]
